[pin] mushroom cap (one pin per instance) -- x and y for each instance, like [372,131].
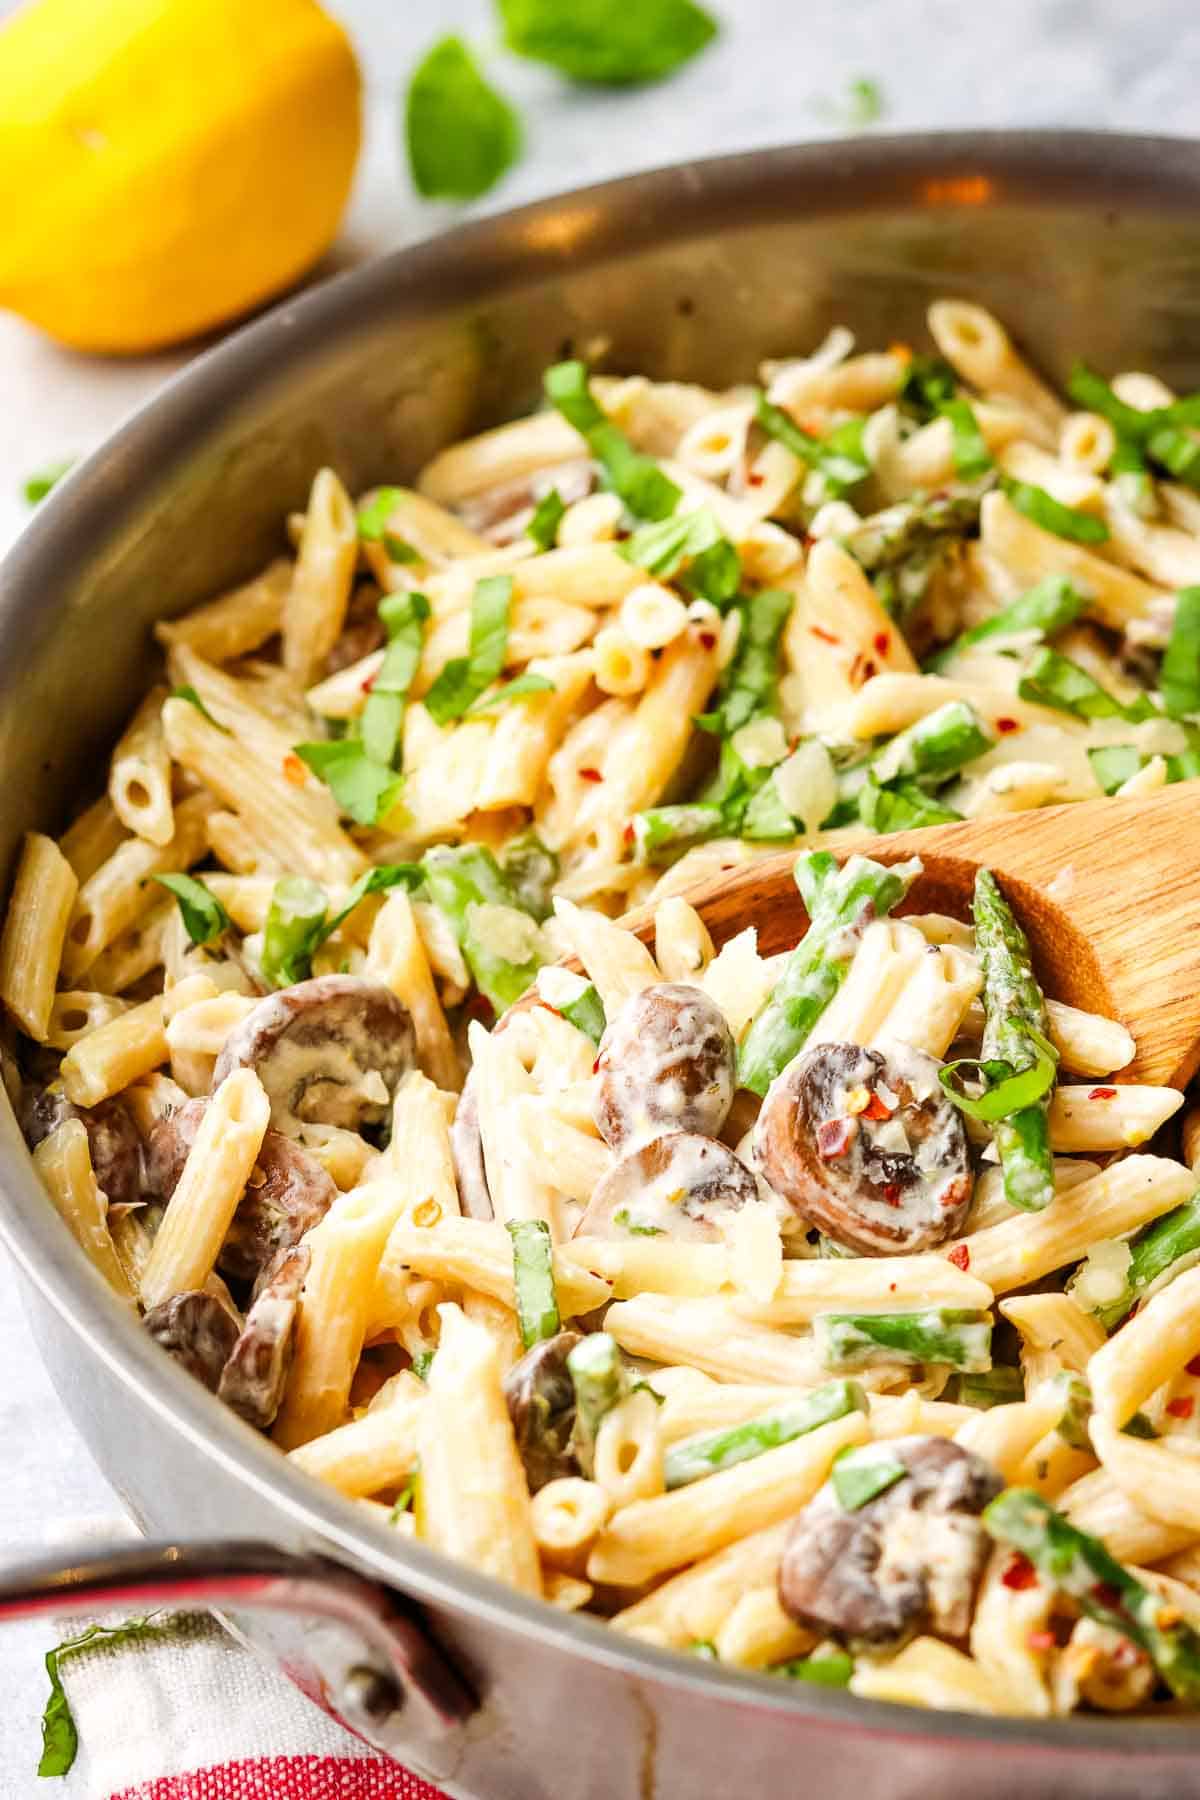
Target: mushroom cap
[908,1560]
[866,1146]
[113,1139]
[541,1404]
[198,1330]
[466,1147]
[680,1185]
[256,1370]
[666,1063]
[329,1051]
[287,1194]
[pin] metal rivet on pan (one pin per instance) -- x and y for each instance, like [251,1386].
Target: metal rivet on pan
[369,1695]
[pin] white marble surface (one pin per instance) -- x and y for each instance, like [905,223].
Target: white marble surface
[1120,64]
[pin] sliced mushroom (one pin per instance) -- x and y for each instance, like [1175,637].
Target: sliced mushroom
[362,631]
[499,512]
[865,1145]
[907,1561]
[541,1405]
[287,1193]
[680,1185]
[329,1051]
[666,1063]
[256,1372]
[112,1138]
[197,1330]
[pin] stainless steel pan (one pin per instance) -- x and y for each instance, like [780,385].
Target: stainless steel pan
[1083,244]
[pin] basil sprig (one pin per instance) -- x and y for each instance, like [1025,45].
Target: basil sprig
[461,134]
[595,41]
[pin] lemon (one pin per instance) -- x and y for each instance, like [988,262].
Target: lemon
[167,164]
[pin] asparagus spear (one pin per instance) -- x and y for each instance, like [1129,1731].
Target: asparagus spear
[599,1379]
[662,834]
[987,1387]
[936,745]
[1168,1241]
[533,1279]
[717,1450]
[1015,1033]
[1045,609]
[1055,680]
[862,890]
[1079,1565]
[956,1336]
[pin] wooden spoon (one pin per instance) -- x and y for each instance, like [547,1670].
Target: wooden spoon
[1108,891]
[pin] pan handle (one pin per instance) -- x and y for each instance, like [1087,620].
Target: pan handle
[392,1664]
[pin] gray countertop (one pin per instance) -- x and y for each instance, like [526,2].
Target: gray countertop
[774,75]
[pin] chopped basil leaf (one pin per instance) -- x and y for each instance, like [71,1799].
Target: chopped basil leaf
[1055,680]
[860,1473]
[464,678]
[421,1362]
[1047,608]
[1139,1427]
[60,1740]
[204,918]
[293,931]
[1093,393]
[1178,451]
[766,819]
[840,458]
[694,543]
[185,691]
[461,134]
[364,789]
[1179,682]
[902,807]
[972,458]
[1113,764]
[372,881]
[634,1227]
[641,484]
[404,617]
[547,517]
[373,517]
[404,1499]
[586,1013]
[750,682]
[1006,1090]
[595,41]
[38,485]
[1050,514]
[827,1668]
[705,1649]
[521,687]
[928,384]
[463,882]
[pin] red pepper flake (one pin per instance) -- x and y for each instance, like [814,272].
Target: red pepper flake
[891,1287]
[834,1137]
[755,479]
[590,775]
[1019,1572]
[551,1009]
[1008,724]
[368,682]
[1041,1640]
[960,1256]
[294,770]
[1193,1368]
[891,1193]
[826,637]
[709,639]
[869,669]
[480,1007]
[628,833]
[1107,1595]
[1182,1406]
[596,1066]
[1102,1093]
[875,1109]
[855,666]
[881,642]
